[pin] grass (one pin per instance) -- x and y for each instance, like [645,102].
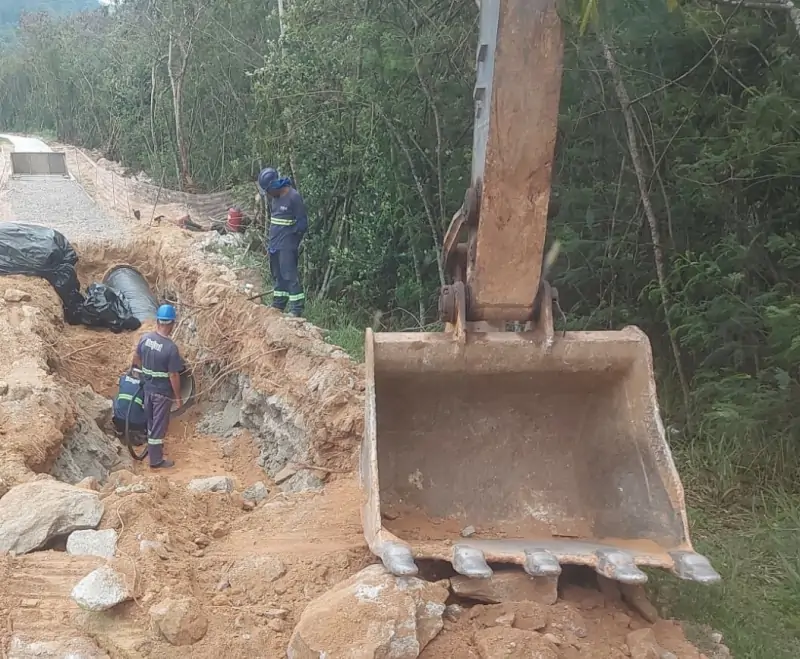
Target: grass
[340,328]
[752,541]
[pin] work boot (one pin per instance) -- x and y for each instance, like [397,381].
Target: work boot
[164,464]
[157,461]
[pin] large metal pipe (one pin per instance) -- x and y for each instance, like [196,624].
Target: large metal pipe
[129,281]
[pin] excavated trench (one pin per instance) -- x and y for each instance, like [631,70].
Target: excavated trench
[252,372]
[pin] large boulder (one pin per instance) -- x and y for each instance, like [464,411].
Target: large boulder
[180,621]
[372,615]
[33,513]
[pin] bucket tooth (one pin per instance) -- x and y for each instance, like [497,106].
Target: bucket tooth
[694,567]
[397,558]
[619,566]
[541,563]
[470,562]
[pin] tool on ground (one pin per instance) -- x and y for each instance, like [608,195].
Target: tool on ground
[484,446]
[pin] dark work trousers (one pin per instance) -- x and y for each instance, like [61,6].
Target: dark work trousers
[286,282]
[157,408]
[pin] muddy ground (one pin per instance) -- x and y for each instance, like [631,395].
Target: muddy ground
[276,403]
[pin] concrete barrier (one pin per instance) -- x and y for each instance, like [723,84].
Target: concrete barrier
[38,164]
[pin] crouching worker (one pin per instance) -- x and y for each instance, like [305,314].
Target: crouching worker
[161,364]
[129,408]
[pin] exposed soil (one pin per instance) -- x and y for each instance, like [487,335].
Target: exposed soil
[252,570]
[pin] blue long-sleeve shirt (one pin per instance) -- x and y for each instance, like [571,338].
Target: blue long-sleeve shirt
[288,221]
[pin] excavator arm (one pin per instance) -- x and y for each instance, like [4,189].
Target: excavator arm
[516,101]
[485,447]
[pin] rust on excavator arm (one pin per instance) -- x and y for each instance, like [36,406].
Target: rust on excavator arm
[516,118]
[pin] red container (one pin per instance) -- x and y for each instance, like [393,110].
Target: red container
[235,220]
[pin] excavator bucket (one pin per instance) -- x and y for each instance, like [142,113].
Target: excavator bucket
[506,448]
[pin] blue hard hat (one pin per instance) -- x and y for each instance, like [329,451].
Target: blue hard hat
[166,313]
[266,177]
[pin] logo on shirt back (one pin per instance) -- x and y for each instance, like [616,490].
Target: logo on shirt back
[284,208]
[154,345]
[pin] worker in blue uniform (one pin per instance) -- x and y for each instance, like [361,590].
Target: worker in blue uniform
[287,225]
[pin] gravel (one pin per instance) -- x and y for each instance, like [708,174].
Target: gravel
[60,204]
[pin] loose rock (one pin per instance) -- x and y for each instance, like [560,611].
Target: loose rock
[257,492]
[180,621]
[510,643]
[254,571]
[643,644]
[33,513]
[134,488]
[16,295]
[636,597]
[529,616]
[285,474]
[507,586]
[72,648]
[92,543]
[277,625]
[153,547]
[219,530]
[101,590]
[371,615]
[89,483]
[211,484]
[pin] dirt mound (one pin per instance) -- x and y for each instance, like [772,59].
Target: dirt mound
[35,410]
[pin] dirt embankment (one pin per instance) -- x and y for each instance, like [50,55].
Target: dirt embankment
[282,397]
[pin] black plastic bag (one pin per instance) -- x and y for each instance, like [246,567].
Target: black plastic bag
[36,251]
[105,307]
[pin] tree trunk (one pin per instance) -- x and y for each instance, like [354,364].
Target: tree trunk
[177,76]
[658,250]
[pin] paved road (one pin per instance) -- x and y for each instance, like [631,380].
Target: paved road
[52,201]
[26,144]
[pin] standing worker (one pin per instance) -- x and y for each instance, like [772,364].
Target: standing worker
[161,365]
[287,226]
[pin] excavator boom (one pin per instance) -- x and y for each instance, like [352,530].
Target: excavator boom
[483,446]
[516,98]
